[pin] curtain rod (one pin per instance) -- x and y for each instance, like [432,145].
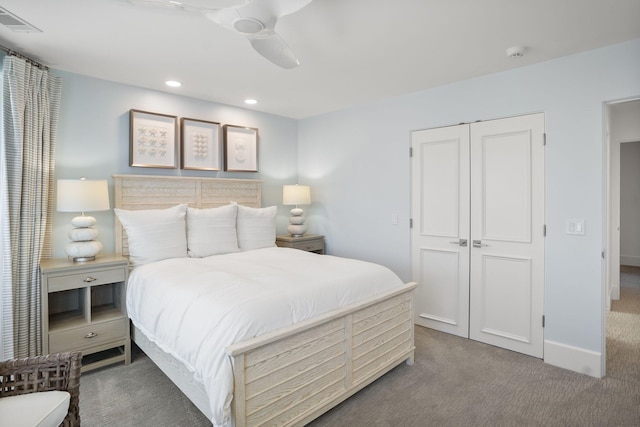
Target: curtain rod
[33,62]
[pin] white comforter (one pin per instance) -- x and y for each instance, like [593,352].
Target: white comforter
[193,308]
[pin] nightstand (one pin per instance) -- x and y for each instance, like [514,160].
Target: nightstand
[83,308]
[308,242]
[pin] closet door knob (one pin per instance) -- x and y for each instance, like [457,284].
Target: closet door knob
[461,242]
[478,244]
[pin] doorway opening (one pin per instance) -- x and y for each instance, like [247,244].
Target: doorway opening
[621,290]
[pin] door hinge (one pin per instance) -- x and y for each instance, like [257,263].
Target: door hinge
[543,320]
[602,255]
[544,230]
[544,138]
[410,151]
[410,222]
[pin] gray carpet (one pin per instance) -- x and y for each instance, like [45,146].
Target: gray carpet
[454,382]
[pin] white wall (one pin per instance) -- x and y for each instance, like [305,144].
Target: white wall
[630,201]
[93,141]
[357,163]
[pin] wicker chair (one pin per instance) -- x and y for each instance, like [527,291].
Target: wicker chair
[59,371]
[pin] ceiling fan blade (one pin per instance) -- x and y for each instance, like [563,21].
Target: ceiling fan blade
[257,11]
[287,7]
[225,17]
[153,3]
[256,20]
[276,50]
[199,6]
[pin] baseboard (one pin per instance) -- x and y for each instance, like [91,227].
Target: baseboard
[614,291]
[573,358]
[633,261]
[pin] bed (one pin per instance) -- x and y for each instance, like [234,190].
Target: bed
[282,376]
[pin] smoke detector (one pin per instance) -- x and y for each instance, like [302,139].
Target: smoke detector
[516,51]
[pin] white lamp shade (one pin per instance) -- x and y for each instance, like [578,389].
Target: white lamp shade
[82,195]
[296,195]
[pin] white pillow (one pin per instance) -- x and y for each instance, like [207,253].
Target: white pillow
[212,231]
[155,234]
[256,227]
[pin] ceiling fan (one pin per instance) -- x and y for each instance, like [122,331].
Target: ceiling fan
[254,19]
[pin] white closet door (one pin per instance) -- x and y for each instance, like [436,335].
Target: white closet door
[440,212]
[482,184]
[507,239]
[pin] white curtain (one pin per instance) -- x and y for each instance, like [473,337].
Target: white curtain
[6,316]
[30,110]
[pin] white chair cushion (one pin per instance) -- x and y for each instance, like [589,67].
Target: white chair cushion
[42,409]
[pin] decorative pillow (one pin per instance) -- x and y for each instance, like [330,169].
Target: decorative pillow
[256,227]
[212,231]
[155,234]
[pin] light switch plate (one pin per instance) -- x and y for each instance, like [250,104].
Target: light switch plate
[576,226]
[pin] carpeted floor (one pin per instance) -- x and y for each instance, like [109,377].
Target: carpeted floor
[454,382]
[623,328]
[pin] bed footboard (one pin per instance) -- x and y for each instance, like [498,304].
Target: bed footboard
[292,376]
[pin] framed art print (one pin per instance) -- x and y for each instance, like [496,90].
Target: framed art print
[199,145]
[240,149]
[152,140]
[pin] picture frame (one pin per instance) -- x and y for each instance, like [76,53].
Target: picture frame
[199,144]
[240,149]
[152,140]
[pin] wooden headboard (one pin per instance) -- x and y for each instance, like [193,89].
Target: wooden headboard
[135,192]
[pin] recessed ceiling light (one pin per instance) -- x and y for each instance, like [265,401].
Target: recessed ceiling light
[251,101]
[173,83]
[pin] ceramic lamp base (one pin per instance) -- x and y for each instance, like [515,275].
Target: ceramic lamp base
[82,246]
[297,230]
[83,251]
[296,227]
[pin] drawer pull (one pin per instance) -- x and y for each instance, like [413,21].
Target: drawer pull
[91,335]
[90,279]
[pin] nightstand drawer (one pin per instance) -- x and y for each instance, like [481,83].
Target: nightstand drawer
[308,242]
[314,245]
[88,336]
[92,278]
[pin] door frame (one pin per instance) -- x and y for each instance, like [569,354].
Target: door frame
[609,237]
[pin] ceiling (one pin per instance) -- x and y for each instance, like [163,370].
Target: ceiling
[352,51]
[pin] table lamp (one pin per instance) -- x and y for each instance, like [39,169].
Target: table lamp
[83,195]
[296,195]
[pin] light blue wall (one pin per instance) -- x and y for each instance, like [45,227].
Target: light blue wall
[93,141]
[357,164]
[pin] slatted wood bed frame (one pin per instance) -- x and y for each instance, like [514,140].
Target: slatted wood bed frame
[292,375]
